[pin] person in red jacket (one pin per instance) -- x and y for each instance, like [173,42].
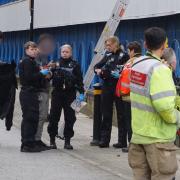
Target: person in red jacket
[123,87]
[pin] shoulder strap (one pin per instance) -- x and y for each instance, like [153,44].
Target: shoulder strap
[141,61]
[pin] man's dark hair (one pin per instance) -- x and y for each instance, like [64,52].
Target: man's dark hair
[29,44]
[1,35]
[46,36]
[155,37]
[136,46]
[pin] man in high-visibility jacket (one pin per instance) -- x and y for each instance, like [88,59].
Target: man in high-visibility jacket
[152,153]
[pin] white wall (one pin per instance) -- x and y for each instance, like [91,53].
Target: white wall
[52,13]
[152,8]
[68,12]
[15,16]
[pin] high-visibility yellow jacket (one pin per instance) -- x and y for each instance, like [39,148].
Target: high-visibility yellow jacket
[152,102]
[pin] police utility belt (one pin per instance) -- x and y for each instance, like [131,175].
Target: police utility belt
[30,89]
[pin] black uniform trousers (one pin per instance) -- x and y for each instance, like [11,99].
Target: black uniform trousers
[30,116]
[9,116]
[108,98]
[62,99]
[127,119]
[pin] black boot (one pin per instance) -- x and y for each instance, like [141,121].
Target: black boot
[125,150]
[67,144]
[103,144]
[42,145]
[53,143]
[94,143]
[119,145]
[30,148]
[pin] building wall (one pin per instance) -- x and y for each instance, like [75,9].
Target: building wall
[15,16]
[83,38]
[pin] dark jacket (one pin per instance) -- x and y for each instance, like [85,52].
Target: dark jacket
[29,74]
[111,62]
[67,76]
[8,85]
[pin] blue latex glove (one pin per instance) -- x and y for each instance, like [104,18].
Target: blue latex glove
[44,72]
[115,74]
[81,97]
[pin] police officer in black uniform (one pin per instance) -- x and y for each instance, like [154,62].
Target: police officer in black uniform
[67,79]
[32,80]
[109,69]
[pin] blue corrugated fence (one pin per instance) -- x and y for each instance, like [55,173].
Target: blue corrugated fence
[2,2]
[83,38]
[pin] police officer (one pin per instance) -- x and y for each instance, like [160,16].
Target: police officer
[67,79]
[32,80]
[109,69]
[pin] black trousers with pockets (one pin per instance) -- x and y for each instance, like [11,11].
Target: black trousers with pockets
[127,118]
[62,99]
[108,98]
[30,116]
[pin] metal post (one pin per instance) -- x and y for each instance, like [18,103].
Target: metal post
[31,32]
[97,115]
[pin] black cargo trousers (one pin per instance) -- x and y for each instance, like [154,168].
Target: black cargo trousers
[30,115]
[62,99]
[108,98]
[127,118]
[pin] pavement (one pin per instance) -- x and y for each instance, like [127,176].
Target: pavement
[85,162]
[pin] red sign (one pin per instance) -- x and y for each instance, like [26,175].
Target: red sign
[138,78]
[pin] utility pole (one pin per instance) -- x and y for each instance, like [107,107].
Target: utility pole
[31,31]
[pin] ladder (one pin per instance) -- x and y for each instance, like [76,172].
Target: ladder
[99,51]
[108,31]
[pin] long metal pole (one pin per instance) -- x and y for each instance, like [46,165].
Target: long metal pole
[31,32]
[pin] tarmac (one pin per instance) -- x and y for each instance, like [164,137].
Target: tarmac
[85,162]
